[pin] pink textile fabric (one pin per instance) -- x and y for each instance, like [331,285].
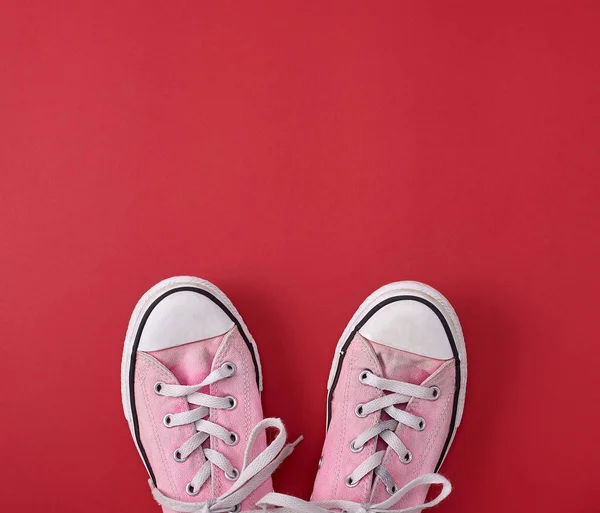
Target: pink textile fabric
[189,364]
[426,446]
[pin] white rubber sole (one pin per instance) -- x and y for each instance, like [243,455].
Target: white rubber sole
[138,314]
[411,288]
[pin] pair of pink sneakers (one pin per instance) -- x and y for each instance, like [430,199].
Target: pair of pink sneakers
[191,383]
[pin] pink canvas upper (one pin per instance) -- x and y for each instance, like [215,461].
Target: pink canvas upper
[426,446]
[189,364]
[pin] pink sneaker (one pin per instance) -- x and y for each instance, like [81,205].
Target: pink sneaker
[396,397]
[191,383]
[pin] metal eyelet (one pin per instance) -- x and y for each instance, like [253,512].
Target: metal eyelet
[177,456]
[422,424]
[236,509]
[167,420]
[232,403]
[353,447]
[235,473]
[320,464]
[392,490]
[230,367]
[407,458]
[158,387]
[191,490]
[360,411]
[233,438]
[364,375]
[436,392]
[350,483]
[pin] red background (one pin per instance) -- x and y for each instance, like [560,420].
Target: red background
[299,155]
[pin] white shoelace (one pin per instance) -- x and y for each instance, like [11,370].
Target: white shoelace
[401,393]
[289,504]
[252,474]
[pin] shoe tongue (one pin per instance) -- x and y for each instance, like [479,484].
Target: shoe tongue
[404,366]
[400,366]
[190,363]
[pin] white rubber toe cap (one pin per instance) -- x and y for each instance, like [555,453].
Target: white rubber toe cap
[410,326]
[183,317]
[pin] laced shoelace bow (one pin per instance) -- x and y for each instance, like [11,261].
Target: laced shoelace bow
[251,476]
[253,472]
[289,504]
